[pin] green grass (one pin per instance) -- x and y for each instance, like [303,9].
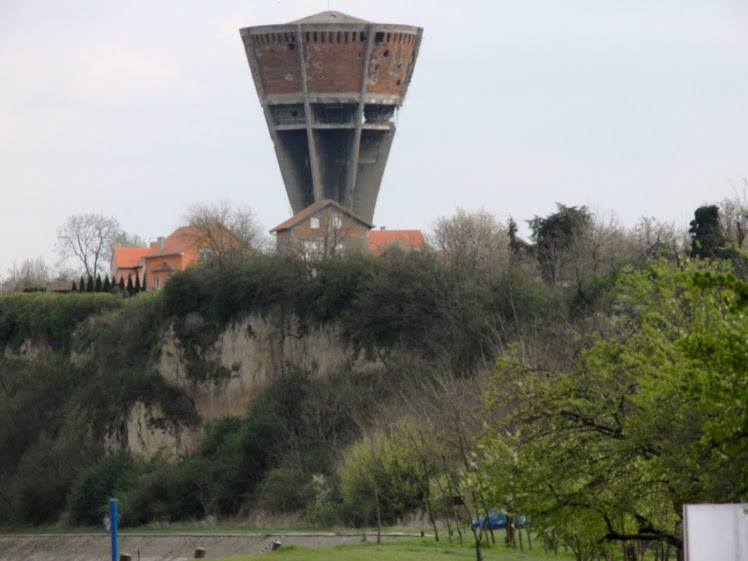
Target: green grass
[397,550]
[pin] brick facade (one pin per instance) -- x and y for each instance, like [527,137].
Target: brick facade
[321,230]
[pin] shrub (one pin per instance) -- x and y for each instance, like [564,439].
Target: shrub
[285,489]
[49,318]
[111,476]
[379,472]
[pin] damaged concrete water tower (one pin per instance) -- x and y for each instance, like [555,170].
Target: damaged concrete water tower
[330,86]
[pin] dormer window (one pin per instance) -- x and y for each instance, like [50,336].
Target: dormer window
[314,223]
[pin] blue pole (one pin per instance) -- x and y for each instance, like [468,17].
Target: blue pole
[113,519]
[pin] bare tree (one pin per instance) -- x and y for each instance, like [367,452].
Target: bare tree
[473,242]
[734,214]
[652,239]
[87,238]
[228,232]
[123,239]
[595,249]
[32,273]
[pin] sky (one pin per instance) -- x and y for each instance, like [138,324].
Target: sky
[139,109]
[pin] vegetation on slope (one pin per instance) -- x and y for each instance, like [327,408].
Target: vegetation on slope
[619,389]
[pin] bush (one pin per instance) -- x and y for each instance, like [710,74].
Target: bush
[110,477]
[380,472]
[285,489]
[49,318]
[39,486]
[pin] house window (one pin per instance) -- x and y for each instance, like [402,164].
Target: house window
[204,253]
[314,223]
[312,249]
[337,221]
[158,282]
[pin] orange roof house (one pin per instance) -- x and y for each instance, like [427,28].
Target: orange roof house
[321,230]
[381,240]
[168,255]
[184,247]
[127,262]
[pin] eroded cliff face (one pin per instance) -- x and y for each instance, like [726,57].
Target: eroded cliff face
[148,432]
[245,357]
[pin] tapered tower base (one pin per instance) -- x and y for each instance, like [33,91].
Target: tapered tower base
[330,86]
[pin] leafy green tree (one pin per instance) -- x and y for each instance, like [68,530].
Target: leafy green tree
[649,418]
[111,476]
[380,481]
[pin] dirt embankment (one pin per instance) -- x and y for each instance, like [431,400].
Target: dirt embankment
[158,547]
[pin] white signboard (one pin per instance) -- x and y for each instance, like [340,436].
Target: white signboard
[715,532]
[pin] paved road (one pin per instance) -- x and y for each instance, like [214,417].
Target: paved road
[158,547]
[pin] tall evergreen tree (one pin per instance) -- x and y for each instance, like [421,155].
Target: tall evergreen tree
[707,236]
[90,284]
[130,288]
[555,234]
[98,285]
[107,284]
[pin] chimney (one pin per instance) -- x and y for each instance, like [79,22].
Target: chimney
[161,243]
[383,228]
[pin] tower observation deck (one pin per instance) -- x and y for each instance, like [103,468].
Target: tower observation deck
[330,86]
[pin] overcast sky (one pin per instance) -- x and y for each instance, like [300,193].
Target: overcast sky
[137,109]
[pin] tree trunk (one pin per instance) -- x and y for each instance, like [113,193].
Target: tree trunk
[379,514]
[432,520]
[529,535]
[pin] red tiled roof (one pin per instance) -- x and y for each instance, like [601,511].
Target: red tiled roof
[129,257]
[163,267]
[380,240]
[311,209]
[178,242]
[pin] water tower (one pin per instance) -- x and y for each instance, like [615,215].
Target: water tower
[330,86]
